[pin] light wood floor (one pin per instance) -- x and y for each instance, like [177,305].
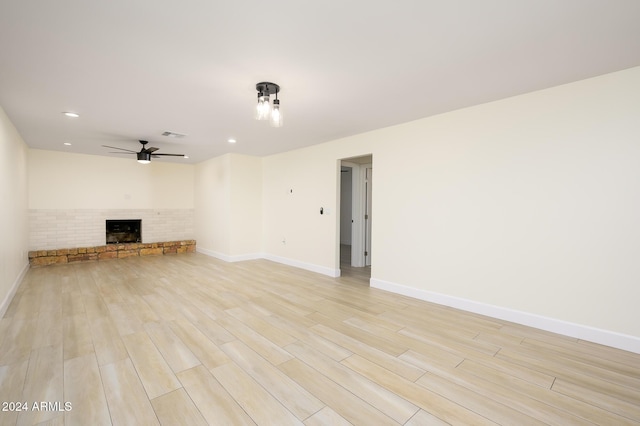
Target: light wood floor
[191,340]
[362,274]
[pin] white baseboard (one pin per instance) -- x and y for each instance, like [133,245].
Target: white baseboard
[592,334]
[12,291]
[286,261]
[227,258]
[334,273]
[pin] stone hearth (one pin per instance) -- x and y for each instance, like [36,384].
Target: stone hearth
[111,251]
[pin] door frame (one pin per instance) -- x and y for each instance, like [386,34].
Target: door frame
[367,210]
[358,208]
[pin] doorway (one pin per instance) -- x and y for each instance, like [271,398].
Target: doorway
[356,216]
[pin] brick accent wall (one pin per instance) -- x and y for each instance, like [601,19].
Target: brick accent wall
[50,229]
[111,251]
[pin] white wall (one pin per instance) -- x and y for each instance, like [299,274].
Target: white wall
[13,210]
[229,207]
[529,204]
[71,196]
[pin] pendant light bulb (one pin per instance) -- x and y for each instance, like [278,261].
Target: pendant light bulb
[276,114]
[263,107]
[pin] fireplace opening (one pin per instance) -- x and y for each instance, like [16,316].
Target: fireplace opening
[124,231]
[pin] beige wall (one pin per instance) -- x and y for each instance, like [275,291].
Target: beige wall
[296,185]
[229,207]
[528,204]
[60,180]
[13,210]
[246,206]
[213,206]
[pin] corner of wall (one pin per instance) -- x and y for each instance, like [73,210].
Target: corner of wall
[12,290]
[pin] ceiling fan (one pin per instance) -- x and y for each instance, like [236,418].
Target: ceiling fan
[145,154]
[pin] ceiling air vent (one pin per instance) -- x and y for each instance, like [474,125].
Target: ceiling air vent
[173,135]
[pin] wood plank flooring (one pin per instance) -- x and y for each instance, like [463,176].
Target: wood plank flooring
[192,340]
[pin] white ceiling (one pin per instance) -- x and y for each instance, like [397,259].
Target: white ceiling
[136,68]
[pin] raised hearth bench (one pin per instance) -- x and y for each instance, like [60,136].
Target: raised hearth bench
[109,251]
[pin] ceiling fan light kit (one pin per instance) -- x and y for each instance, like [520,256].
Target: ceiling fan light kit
[144,158]
[264,110]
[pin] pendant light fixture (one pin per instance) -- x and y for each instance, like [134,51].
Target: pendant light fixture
[264,110]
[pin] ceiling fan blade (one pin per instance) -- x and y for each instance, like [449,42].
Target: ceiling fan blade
[150,149]
[172,155]
[123,149]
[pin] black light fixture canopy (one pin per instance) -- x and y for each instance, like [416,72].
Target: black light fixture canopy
[267,88]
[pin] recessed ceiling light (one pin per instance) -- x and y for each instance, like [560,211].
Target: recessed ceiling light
[67,144]
[71,114]
[231,140]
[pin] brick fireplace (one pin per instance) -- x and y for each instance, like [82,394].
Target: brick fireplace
[77,235]
[51,229]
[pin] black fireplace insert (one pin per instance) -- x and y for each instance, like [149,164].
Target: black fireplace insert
[124,231]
